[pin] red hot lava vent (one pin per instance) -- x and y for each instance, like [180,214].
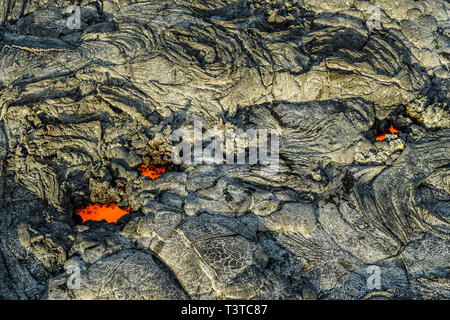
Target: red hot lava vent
[383,127]
[111,212]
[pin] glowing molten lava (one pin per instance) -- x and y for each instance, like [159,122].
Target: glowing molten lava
[98,212]
[151,171]
[382,136]
[392,129]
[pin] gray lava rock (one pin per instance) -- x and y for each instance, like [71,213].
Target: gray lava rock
[80,109]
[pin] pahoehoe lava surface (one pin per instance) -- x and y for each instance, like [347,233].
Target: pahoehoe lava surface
[81,108]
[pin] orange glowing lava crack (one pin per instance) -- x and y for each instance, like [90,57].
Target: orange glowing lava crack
[392,129]
[382,136]
[151,171]
[111,212]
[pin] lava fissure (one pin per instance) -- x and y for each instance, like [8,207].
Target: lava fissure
[152,171]
[380,130]
[111,212]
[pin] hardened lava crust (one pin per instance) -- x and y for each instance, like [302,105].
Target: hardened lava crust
[359,207]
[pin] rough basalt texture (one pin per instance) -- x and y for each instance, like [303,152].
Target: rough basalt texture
[80,109]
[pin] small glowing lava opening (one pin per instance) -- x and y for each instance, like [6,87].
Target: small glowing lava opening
[111,212]
[381,135]
[392,129]
[151,171]
[155,171]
